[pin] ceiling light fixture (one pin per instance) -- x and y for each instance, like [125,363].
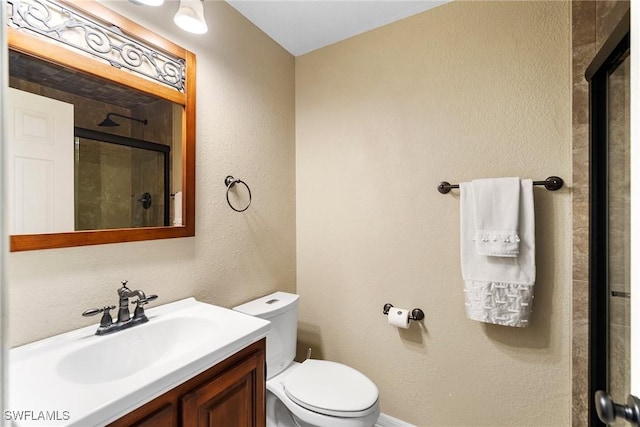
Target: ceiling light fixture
[190,16]
[148,2]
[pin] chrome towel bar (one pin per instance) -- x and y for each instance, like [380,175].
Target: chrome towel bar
[552,183]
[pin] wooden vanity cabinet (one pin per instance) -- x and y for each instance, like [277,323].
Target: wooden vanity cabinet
[229,394]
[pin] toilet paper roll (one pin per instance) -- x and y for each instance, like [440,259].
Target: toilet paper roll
[399,317]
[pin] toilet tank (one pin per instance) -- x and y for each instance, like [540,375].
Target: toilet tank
[281,309]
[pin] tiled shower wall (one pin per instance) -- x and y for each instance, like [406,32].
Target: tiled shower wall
[592,23]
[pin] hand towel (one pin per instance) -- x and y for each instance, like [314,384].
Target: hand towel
[498,290]
[177,209]
[496,206]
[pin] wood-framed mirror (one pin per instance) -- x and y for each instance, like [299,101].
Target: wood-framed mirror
[130,91]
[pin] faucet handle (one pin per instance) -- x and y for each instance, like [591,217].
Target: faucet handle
[138,313]
[144,301]
[123,291]
[106,317]
[94,311]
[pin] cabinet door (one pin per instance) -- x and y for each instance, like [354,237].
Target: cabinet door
[233,398]
[165,416]
[154,414]
[229,394]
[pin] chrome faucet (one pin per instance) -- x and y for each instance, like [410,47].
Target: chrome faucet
[125,320]
[124,294]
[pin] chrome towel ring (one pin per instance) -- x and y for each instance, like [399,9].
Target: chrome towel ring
[230,181]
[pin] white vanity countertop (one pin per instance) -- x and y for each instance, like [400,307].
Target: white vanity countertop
[81,379]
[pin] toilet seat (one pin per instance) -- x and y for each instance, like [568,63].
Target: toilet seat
[331,388]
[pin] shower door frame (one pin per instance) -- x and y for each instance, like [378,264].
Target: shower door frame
[615,49]
[126,141]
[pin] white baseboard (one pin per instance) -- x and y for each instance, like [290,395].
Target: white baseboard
[388,421]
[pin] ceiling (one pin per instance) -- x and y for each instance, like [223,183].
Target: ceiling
[301,26]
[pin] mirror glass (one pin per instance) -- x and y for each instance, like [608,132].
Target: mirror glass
[124,174]
[100,128]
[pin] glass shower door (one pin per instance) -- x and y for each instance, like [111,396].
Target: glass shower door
[610,232]
[121,182]
[147,188]
[619,220]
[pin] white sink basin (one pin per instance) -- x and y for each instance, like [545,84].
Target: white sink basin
[122,354]
[80,379]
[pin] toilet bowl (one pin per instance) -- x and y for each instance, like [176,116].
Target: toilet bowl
[314,393]
[321,393]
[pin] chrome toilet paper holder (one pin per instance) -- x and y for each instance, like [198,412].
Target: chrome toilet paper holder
[416,313]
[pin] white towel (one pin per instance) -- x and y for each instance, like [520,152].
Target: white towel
[177,209]
[498,289]
[496,206]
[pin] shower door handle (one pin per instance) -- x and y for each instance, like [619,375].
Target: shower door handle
[608,411]
[145,200]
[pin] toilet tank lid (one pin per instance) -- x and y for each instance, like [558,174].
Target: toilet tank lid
[269,305]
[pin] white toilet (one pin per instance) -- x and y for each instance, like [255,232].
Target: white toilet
[314,393]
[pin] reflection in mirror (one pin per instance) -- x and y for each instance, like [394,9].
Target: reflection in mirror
[124,140]
[103,124]
[120,182]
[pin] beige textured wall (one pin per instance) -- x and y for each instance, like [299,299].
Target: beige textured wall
[245,127]
[467,90]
